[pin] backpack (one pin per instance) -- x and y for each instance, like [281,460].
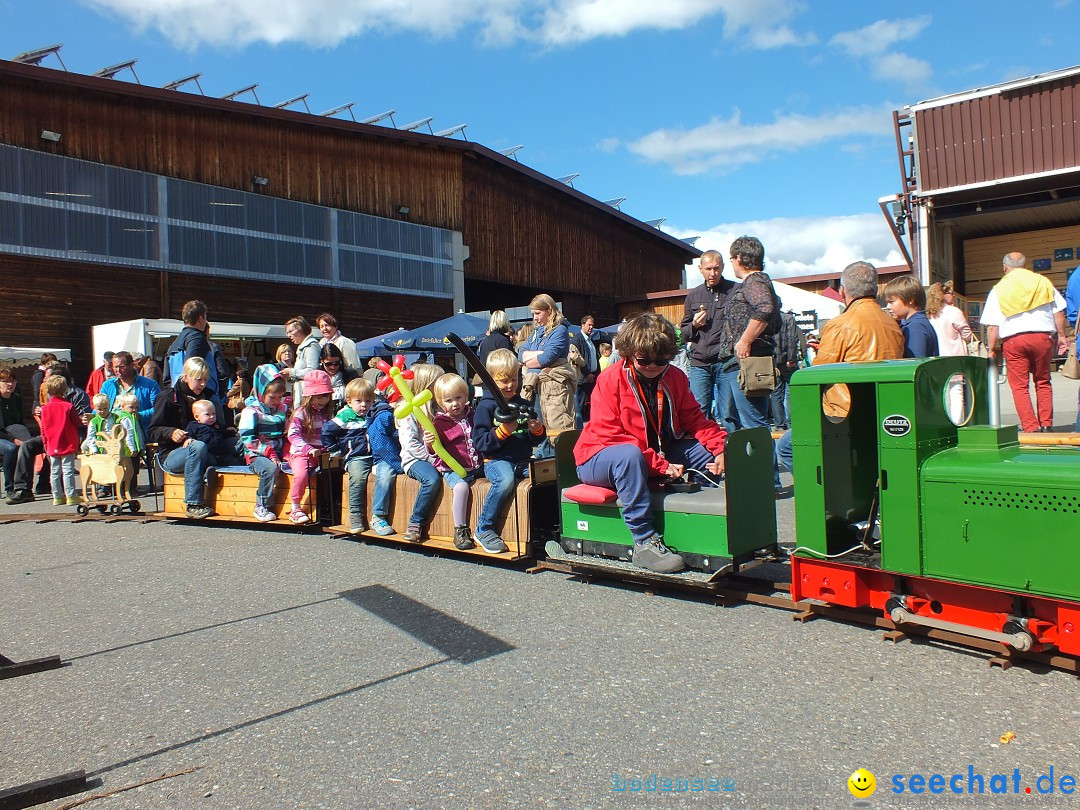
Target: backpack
[174,369]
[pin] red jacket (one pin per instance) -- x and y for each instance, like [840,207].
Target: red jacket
[97,377]
[618,417]
[60,425]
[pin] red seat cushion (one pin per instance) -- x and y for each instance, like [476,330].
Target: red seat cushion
[587,493]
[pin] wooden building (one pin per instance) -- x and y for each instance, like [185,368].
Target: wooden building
[121,201]
[989,171]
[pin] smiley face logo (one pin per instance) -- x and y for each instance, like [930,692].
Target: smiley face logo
[862,784]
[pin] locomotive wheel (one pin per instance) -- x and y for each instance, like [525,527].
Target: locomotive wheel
[134,506]
[115,509]
[82,510]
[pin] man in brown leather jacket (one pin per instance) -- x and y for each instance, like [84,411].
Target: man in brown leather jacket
[861,333]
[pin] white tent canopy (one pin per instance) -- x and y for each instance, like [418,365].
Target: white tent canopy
[799,300]
[22,356]
[140,335]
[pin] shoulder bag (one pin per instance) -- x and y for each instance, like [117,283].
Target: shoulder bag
[757,376]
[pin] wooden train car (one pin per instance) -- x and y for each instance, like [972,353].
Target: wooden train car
[529,521]
[230,492]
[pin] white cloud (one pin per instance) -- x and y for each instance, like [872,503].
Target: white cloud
[726,144]
[901,67]
[880,36]
[873,43]
[767,39]
[801,246]
[327,23]
[321,23]
[569,21]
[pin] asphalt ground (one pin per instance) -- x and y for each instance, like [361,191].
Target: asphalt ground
[297,670]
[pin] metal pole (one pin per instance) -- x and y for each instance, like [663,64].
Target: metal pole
[992,393]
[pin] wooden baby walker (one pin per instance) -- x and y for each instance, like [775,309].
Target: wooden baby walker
[112,469]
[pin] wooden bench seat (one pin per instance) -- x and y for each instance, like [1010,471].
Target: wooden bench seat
[232,495]
[534,494]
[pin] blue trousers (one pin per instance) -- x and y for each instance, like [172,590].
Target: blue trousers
[430,485]
[782,457]
[359,469]
[781,413]
[752,411]
[384,485]
[191,462]
[267,471]
[9,452]
[503,476]
[621,467]
[711,389]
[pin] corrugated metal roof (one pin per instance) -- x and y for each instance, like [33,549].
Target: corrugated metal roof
[993,89]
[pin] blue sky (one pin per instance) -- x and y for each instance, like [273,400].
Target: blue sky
[768,117]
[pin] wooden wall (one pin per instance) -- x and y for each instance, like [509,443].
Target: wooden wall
[982,257]
[55,303]
[321,165]
[520,232]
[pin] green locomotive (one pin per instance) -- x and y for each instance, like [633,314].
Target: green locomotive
[915,505]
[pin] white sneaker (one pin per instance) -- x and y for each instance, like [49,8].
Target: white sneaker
[264,515]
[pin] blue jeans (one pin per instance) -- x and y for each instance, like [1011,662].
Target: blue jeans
[384,486]
[503,476]
[63,476]
[359,469]
[430,486]
[267,471]
[9,452]
[782,457]
[752,411]
[781,413]
[190,462]
[581,398]
[621,467]
[710,388]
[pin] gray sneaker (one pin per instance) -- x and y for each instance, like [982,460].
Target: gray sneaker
[198,511]
[462,540]
[653,555]
[381,527]
[490,542]
[414,534]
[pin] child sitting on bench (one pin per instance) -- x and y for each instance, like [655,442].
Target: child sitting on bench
[646,424]
[505,441]
[204,427]
[262,429]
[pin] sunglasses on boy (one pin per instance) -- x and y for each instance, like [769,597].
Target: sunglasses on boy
[655,362]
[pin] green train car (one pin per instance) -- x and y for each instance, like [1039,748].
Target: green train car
[914,505]
[714,529]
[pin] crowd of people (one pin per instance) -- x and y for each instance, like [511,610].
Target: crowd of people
[639,419]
